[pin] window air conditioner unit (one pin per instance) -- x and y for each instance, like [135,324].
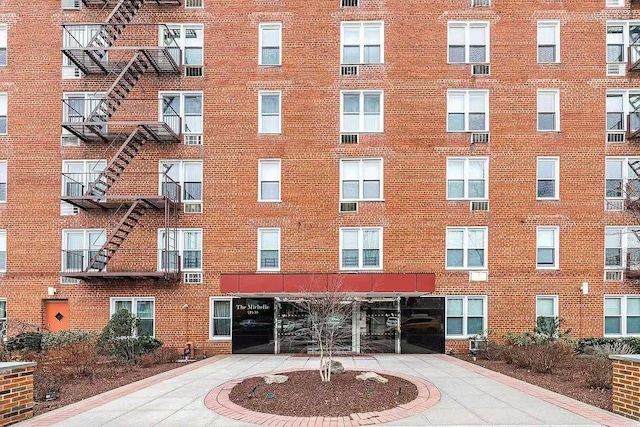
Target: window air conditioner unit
[478,276]
[613,275]
[475,345]
[616,136]
[67,209]
[193,70]
[69,281]
[348,70]
[349,3]
[193,4]
[479,205]
[69,141]
[616,69]
[480,137]
[613,205]
[192,278]
[480,3]
[480,69]
[192,208]
[71,4]
[348,206]
[193,140]
[351,138]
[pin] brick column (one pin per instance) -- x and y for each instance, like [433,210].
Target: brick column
[16,392]
[626,385]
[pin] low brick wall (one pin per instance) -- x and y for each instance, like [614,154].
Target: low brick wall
[16,391]
[626,385]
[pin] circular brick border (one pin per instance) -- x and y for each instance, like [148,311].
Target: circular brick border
[218,401]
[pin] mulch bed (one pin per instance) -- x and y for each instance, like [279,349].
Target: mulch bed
[304,395]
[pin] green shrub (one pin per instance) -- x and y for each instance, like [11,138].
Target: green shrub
[65,338]
[587,345]
[146,345]
[25,341]
[116,338]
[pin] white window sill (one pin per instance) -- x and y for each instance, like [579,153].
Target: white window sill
[468,131]
[268,270]
[457,337]
[463,269]
[549,63]
[549,131]
[549,199]
[269,133]
[218,339]
[343,64]
[270,65]
[468,199]
[554,268]
[361,269]
[360,200]
[270,201]
[361,132]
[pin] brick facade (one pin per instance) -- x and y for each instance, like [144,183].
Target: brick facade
[414,146]
[626,386]
[16,395]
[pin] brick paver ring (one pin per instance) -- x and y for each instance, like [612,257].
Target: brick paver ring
[218,401]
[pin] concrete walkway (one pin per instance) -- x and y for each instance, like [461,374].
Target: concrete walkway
[470,395]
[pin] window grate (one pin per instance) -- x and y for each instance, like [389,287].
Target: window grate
[349,207]
[480,3]
[613,205]
[193,208]
[193,70]
[613,275]
[193,4]
[480,137]
[192,278]
[193,140]
[615,136]
[477,205]
[350,138]
[480,69]
[348,70]
[349,3]
[616,69]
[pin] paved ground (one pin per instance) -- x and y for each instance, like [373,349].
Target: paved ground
[470,395]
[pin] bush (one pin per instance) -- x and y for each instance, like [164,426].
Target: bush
[598,371]
[66,338]
[31,341]
[116,338]
[146,345]
[587,345]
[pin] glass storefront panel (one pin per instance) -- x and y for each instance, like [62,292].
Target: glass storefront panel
[422,325]
[253,325]
[378,326]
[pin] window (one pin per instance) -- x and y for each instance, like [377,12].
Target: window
[3,250]
[548,178]
[3,181]
[3,320]
[620,105]
[466,248]
[466,316]
[78,106]
[361,111]
[3,113]
[184,244]
[622,315]
[77,36]
[269,249]
[621,179]
[269,180]
[3,45]
[467,178]
[548,41]
[184,42]
[78,176]
[269,107]
[360,179]
[362,43]
[467,110]
[80,246]
[270,41]
[184,173]
[468,42]
[615,44]
[361,248]
[547,308]
[220,311]
[142,308]
[620,242]
[182,112]
[548,110]
[547,244]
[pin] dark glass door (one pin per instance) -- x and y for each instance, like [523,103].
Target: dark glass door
[422,325]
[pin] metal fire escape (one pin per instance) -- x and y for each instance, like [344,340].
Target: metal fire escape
[125,66]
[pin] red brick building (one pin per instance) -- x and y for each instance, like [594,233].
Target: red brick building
[455,166]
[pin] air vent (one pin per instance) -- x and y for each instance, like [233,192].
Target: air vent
[193,70]
[475,345]
[68,209]
[480,69]
[480,137]
[192,208]
[192,278]
[69,281]
[615,136]
[613,205]
[69,141]
[193,4]
[349,138]
[616,69]
[480,3]
[349,3]
[193,140]
[348,70]
[71,4]
[478,276]
[479,205]
[349,207]
[613,275]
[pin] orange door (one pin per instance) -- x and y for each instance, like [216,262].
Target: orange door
[56,315]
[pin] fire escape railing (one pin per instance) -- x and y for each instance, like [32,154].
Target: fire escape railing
[633,56]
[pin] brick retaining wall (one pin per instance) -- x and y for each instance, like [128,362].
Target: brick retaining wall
[626,385]
[16,393]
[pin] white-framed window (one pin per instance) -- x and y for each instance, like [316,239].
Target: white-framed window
[3,251]
[621,179]
[547,308]
[548,110]
[361,248]
[184,244]
[621,104]
[466,248]
[3,319]
[220,315]
[361,111]
[181,111]
[468,42]
[3,45]
[79,175]
[361,179]
[467,178]
[548,42]
[268,249]
[185,173]
[622,315]
[270,43]
[547,247]
[141,307]
[76,36]
[620,242]
[548,178]
[3,181]
[622,35]
[466,316]
[185,42]
[3,113]
[78,106]
[362,42]
[269,111]
[467,110]
[79,246]
[269,180]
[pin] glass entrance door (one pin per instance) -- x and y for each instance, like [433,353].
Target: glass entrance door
[378,328]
